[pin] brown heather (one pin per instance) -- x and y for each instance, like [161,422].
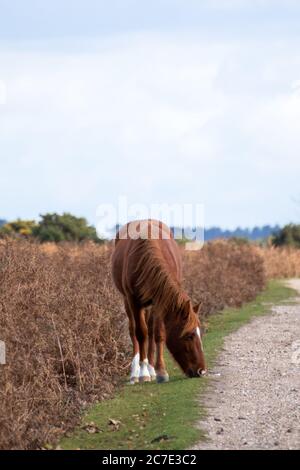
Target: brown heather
[281,262]
[223,274]
[66,333]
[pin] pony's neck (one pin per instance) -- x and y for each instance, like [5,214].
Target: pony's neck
[155,281]
[175,307]
[173,298]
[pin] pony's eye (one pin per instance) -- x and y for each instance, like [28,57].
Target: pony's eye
[190,336]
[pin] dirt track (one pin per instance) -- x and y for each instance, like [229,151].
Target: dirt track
[255,402]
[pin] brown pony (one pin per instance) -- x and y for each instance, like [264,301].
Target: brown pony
[146,268]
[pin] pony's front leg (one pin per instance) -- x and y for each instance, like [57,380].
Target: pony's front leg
[135,368]
[141,336]
[160,367]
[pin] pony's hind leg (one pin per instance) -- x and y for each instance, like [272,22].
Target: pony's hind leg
[135,365]
[151,343]
[160,367]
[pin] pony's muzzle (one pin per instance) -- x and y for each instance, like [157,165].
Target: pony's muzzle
[199,373]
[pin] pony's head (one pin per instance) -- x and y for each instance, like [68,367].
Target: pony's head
[185,343]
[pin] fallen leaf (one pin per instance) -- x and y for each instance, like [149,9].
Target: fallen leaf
[114,423]
[91,428]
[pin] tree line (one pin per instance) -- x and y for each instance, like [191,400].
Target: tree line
[52,228]
[57,228]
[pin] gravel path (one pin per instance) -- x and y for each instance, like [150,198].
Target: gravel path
[255,402]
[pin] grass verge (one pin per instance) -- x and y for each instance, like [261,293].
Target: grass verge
[164,416]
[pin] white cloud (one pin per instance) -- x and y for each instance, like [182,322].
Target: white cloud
[246,3]
[3,93]
[157,117]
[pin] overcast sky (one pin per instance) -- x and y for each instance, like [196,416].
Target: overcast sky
[163,101]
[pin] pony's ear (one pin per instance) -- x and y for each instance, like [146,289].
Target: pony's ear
[186,310]
[197,308]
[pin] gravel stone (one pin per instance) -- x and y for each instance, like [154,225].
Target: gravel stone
[259,380]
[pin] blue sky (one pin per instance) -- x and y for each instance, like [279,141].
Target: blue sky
[169,101]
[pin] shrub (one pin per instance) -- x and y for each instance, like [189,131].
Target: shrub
[65,335]
[18,228]
[281,262]
[66,331]
[65,227]
[288,236]
[223,274]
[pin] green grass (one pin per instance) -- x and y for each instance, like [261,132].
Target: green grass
[149,411]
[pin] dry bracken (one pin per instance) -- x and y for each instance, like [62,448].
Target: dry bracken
[66,333]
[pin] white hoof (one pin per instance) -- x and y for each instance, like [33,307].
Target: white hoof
[144,372]
[143,379]
[134,380]
[152,372]
[135,369]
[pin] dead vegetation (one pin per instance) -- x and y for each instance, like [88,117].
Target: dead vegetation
[281,262]
[223,274]
[66,333]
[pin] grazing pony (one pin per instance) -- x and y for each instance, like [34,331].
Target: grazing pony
[146,268]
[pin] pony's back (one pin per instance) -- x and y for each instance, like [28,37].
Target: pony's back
[145,249]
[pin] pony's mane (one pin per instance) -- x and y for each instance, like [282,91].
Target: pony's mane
[155,282]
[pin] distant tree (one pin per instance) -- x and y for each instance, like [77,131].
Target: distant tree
[288,236]
[255,234]
[65,227]
[18,228]
[2,222]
